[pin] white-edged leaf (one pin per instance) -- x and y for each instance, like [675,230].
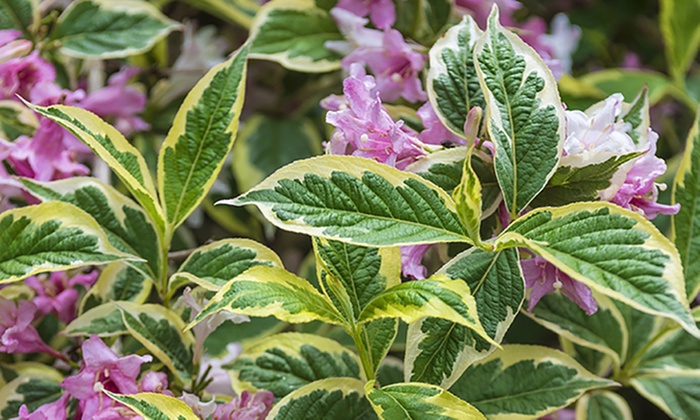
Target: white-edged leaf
[327,399]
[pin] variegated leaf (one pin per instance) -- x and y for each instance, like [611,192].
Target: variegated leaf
[22,15]
[104,320]
[241,12]
[117,282]
[603,405]
[152,406]
[327,399]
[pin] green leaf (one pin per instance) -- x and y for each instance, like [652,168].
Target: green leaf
[613,251]
[636,114]
[34,390]
[629,82]
[390,371]
[467,194]
[453,85]
[265,144]
[572,183]
[104,320]
[110,145]
[675,349]
[213,265]
[201,137]
[676,392]
[407,401]
[327,399]
[16,119]
[603,405]
[444,169]
[439,351]
[422,20]
[679,26]
[110,29]
[286,362]
[686,223]
[240,12]
[594,361]
[604,331]
[294,33]
[22,15]
[438,296]
[265,291]
[127,226]
[377,336]
[356,200]
[160,331]
[51,237]
[363,272]
[641,328]
[525,382]
[526,119]
[151,406]
[117,282]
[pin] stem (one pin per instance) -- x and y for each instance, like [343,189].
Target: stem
[163,281]
[631,364]
[362,351]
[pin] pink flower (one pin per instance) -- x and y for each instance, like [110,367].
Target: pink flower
[19,75]
[246,407]
[51,411]
[11,47]
[599,134]
[395,64]
[435,131]
[119,101]
[480,10]
[103,370]
[411,261]
[365,128]
[56,292]
[381,12]
[220,379]
[17,334]
[544,278]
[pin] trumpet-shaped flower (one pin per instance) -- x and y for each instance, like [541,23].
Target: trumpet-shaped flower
[246,406]
[365,128]
[17,334]
[395,64]
[103,370]
[544,278]
[57,293]
[381,12]
[52,411]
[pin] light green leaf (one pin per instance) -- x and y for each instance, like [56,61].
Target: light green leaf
[679,26]
[327,399]
[160,331]
[604,331]
[265,291]
[294,33]
[614,251]
[127,226]
[51,237]
[686,223]
[422,20]
[265,144]
[213,265]
[15,118]
[33,389]
[453,85]
[201,137]
[356,200]
[151,406]
[675,349]
[629,82]
[439,351]
[525,116]
[406,401]
[467,194]
[110,145]
[438,296]
[22,15]
[603,405]
[286,362]
[104,320]
[110,29]
[117,281]
[444,169]
[240,12]
[641,328]
[676,392]
[594,361]
[524,382]
[572,183]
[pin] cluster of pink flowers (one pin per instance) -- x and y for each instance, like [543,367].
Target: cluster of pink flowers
[51,152]
[593,137]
